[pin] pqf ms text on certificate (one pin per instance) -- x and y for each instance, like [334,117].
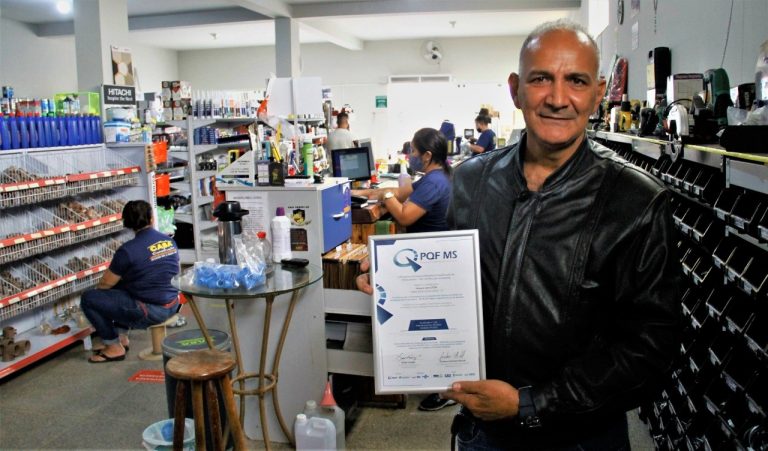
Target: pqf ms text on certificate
[427,321]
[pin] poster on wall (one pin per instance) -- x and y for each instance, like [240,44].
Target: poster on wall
[122,66]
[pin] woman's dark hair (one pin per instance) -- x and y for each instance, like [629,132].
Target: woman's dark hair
[483,118]
[137,214]
[429,139]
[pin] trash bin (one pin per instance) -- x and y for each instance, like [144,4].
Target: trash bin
[159,436]
[186,341]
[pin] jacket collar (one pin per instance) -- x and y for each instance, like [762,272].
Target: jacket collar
[574,165]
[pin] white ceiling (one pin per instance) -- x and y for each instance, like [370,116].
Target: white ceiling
[387,19]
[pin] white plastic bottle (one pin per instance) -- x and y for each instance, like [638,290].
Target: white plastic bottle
[281,236]
[310,409]
[330,410]
[314,433]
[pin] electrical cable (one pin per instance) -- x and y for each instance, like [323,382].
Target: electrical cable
[727,34]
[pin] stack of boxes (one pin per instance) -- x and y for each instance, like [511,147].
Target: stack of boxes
[177,100]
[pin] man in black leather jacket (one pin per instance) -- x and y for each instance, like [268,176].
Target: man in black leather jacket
[579,268]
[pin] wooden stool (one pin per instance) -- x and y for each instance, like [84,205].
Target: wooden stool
[202,369]
[157,334]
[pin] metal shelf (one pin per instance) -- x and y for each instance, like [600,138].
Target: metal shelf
[42,346]
[749,239]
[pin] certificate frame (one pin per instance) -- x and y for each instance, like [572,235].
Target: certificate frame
[427,311]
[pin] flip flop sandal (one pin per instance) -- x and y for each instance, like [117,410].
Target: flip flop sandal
[96,351]
[106,358]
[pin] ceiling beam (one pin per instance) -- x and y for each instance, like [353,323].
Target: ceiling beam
[334,35]
[154,21]
[361,8]
[269,8]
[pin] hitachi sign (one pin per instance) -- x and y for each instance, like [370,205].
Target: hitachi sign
[119,92]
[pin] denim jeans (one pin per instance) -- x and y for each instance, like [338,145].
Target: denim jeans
[113,311]
[470,435]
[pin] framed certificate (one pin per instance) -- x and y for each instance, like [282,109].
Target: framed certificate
[427,311]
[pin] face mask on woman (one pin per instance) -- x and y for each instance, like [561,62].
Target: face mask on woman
[414,161]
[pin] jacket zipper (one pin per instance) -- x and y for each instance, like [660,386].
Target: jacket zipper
[518,257]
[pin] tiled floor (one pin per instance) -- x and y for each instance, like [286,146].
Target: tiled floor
[66,403]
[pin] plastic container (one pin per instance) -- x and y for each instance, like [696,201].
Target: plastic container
[185,341]
[281,236]
[159,436]
[265,247]
[5,133]
[314,433]
[116,132]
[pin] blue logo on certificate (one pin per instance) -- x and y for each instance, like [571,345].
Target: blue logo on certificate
[406,258]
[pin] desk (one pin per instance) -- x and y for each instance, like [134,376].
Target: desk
[282,280]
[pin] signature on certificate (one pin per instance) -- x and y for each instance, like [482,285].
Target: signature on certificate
[405,358]
[453,356]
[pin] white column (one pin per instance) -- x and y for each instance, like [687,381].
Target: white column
[99,24]
[287,51]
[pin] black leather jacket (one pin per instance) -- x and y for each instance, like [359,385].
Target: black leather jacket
[579,282]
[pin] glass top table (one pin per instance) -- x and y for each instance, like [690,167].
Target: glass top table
[280,280]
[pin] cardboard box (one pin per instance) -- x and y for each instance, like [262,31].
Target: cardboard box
[181,109]
[684,86]
[181,90]
[165,90]
[167,110]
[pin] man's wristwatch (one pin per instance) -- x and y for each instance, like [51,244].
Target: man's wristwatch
[389,195]
[527,409]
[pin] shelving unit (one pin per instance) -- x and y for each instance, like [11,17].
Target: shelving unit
[199,216]
[60,223]
[716,397]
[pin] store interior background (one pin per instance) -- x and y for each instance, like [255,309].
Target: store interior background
[38,56]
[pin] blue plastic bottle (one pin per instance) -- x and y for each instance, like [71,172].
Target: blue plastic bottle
[40,124]
[63,132]
[23,131]
[5,133]
[72,139]
[47,128]
[33,136]
[99,131]
[81,138]
[88,132]
[13,124]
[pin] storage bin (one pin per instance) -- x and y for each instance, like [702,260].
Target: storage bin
[162,185]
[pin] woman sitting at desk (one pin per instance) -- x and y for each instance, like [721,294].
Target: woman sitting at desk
[421,206]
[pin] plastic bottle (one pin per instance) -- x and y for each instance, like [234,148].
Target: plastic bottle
[81,137]
[48,130]
[310,409]
[23,131]
[61,126]
[99,135]
[72,138]
[314,433]
[13,128]
[40,124]
[265,246]
[281,236]
[34,140]
[330,410]
[5,133]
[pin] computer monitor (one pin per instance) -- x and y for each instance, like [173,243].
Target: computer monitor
[366,142]
[353,163]
[469,133]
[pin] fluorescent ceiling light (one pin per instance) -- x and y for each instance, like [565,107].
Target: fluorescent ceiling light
[64,6]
